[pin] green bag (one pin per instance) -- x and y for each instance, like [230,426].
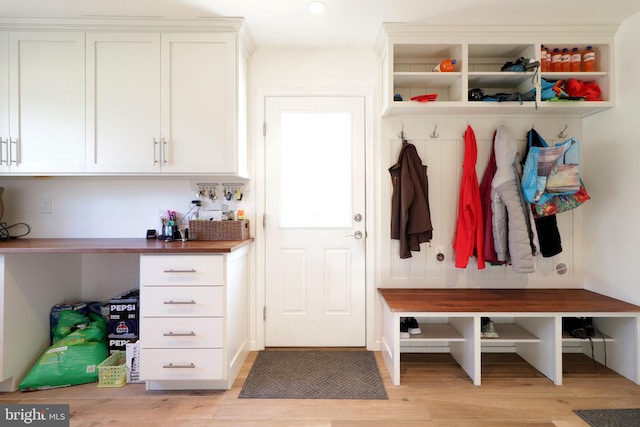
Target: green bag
[73,359]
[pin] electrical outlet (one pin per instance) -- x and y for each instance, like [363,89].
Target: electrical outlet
[46,205]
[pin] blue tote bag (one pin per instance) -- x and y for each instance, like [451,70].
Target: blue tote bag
[551,170]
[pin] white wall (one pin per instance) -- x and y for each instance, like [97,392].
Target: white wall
[611,153]
[291,72]
[314,69]
[95,207]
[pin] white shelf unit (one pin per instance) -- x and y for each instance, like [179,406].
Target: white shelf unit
[409,53]
[536,337]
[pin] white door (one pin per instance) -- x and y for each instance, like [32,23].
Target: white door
[315,227]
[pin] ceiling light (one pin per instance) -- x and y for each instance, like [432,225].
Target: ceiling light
[317,7]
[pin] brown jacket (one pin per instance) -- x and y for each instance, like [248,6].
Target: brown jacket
[410,214]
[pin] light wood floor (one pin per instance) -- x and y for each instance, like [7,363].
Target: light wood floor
[434,392]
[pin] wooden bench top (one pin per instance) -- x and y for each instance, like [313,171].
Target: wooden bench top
[502,300]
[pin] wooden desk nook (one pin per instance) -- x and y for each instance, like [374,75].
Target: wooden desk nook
[188,285]
[528,320]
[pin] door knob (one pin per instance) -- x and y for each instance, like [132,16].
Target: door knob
[357,217]
[356,235]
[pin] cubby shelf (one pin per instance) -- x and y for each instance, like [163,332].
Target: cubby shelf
[409,53]
[511,333]
[435,332]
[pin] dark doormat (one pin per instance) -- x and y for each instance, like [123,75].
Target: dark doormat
[610,417]
[314,375]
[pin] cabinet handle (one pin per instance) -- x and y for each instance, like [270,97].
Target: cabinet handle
[2,150]
[179,302]
[179,334]
[155,150]
[180,271]
[13,154]
[171,365]
[164,154]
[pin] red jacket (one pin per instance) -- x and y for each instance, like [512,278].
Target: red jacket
[469,239]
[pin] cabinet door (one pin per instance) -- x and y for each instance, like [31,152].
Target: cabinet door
[4,101]
[123,102]
[46,102]
[199,103]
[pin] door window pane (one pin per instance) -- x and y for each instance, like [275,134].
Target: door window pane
[315,169]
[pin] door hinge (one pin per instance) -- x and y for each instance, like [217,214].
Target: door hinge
[264,313]
[264,128]
[264,220]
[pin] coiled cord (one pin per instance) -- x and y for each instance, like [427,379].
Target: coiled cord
[5,233]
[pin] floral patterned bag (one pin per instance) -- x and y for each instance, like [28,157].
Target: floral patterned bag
[561,203]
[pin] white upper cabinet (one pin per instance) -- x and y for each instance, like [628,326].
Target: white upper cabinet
[123,102]
[163,103]
[46,97]
[4,101]
[409,54]
[198,105]
[120,97]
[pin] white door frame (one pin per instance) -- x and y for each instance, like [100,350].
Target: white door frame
[258,294]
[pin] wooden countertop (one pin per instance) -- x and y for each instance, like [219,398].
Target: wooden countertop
[502,300]
[135,245]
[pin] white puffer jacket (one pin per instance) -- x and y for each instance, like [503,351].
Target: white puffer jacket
[512,232]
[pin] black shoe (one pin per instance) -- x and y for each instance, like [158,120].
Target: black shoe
[404,328]
[488,328]
[414,327]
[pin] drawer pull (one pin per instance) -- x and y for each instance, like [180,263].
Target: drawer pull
[171,365]
[179,302]
[179,334]
[180,271]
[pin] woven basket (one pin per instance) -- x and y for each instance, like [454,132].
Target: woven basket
[219,230]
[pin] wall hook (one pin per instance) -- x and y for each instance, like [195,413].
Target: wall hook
[562,133]
[434,134]
[403,136]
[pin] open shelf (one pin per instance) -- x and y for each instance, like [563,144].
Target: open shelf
[425,79]
[598,338]
[435,332]
[511,333]
[499,79]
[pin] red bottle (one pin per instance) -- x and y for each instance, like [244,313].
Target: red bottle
[589,59]
[543,59]
[565,60]
[556,60]
[576,60]
[445,66]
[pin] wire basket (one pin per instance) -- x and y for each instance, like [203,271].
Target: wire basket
[112,372]
[219,230]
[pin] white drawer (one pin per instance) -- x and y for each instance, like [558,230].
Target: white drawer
[181,364]
[182,332]
[182,301]
[170,270]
